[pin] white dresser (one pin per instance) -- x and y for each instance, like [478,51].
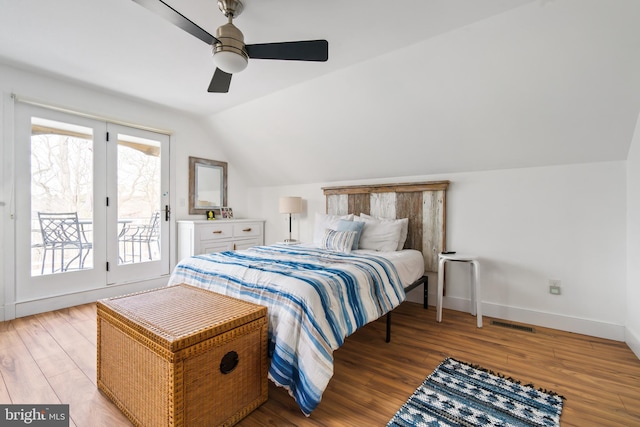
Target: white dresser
[197,237]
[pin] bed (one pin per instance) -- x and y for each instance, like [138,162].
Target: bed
[319,293]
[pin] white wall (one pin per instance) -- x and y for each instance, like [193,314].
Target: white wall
[187,139]
[4,190]
[528,226]
[632,336]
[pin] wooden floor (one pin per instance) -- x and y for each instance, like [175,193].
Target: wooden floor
[50,358]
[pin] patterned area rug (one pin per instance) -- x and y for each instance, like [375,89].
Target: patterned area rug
[459,394]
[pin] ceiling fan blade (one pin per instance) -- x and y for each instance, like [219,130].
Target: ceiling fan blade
[220,82]
[308,50]
[176,18]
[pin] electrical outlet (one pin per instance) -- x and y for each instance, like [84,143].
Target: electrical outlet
[554,287]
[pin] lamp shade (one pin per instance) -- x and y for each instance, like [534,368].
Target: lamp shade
[290,205]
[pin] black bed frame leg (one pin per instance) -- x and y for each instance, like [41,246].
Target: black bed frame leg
[388,339]
[425,290]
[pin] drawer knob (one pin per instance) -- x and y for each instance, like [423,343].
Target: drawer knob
[217,232]
[247,229]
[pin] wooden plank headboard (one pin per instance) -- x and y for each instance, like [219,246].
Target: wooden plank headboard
[424,203]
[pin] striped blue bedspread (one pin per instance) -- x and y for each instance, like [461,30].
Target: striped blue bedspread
[315,300]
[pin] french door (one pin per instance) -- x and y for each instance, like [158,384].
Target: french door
[92,203]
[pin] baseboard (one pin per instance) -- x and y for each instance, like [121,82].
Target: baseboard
[538,318]
[577,325]
[633,341]
[27,308]
[8,312]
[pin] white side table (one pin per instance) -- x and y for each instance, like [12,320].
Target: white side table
[474,265]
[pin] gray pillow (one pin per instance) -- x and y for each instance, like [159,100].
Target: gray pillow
[344,225]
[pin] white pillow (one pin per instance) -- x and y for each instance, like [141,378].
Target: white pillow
[324,221]
[383,236]
[339,241]
[404,222]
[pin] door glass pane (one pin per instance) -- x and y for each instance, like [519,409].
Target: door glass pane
[61,197]
[139,199]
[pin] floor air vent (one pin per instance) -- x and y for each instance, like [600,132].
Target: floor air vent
[512,326]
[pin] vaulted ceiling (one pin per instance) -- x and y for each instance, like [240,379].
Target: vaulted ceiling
[410,88]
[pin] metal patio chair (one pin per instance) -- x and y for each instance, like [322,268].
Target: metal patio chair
[138,235]
[61,232]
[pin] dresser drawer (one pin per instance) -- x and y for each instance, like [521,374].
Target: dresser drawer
[216,246]
[242,244]
[248,229]
[215,232]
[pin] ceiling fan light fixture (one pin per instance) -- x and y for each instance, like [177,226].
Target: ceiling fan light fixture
[230,61]
[229,53]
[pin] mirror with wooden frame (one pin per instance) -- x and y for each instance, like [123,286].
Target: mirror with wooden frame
[207,185]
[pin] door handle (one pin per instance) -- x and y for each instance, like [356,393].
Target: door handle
[167,212]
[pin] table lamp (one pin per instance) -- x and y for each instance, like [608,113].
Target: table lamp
[290,205]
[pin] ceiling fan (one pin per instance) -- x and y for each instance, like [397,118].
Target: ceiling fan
[230,54]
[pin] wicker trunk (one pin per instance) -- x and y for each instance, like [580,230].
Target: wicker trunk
[182,356]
